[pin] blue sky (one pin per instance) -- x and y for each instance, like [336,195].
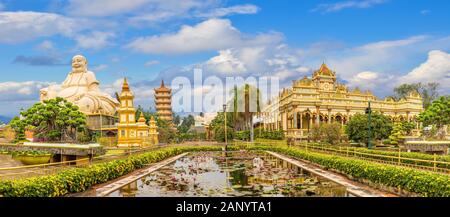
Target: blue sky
[372,44]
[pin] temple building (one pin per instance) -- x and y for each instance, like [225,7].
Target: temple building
[163,102]
[321,99]
[130,132]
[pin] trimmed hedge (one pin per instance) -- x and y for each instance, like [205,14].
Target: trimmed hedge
[424,183]
[81,179]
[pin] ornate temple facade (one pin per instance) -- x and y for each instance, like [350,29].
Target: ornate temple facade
[321,99]
[163,102]
[130,132]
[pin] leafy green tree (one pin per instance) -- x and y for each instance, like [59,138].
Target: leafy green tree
[186,124]
[429,91]
[217,125]
[52,120]
[18,127]
[437,114]
[176,119]
[315,133]
[326,132]
[396,134]
[331,132]
[407,127]
[357,128]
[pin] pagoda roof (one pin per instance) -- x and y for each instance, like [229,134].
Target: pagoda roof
[324,71]
[163,88]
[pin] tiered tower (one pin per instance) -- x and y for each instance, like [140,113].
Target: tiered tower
[127,121]
[132,133]
[163,102]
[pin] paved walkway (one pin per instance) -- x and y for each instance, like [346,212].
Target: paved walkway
[353,187]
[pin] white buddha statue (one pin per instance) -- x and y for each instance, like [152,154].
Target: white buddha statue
[82,88]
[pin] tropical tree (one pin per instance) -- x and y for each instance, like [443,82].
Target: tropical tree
[186,124]
[18,128]
[246,96]
[429,91]
[217,125]
[326,132]
[331,132]
[52,120]
[437,114]
[358,130]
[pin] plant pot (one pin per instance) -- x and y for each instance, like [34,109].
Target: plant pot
[34,159]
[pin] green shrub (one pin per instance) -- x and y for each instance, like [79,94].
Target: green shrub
[387,156]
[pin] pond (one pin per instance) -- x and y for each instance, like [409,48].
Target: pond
[231,174]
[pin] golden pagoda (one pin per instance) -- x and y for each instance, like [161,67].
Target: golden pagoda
[127,127]
[163,102]
[153,131]
[132,133]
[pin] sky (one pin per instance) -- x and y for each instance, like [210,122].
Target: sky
[371,44]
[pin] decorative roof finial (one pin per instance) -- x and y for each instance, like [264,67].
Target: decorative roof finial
[125,85]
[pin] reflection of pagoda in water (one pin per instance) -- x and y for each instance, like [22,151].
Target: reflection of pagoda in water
[163,102]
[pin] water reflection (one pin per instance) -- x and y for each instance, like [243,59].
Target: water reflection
[231,174]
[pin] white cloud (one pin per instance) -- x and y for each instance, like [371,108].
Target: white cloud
[151,63]
[371,80]
[95,40]
[225,63]
[26,25]
[425,12]
[382,56]
[333,7]
[213,34]
[435,69]
[381,45]
[21,91]
[45,46]
[238,9]
[100,67]
[100,8]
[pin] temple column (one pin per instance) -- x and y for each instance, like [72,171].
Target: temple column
[284,120]
[329,115]
[407,116]
[295,120]
[301,120]
[318,115]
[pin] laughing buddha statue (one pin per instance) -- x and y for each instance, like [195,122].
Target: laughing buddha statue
[82,88]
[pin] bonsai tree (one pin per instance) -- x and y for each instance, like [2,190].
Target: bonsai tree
[52,120]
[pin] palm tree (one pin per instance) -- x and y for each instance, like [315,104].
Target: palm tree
[244,120]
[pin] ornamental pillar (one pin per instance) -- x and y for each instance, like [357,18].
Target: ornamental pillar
[329,115]
[295,120]
[318,115]
[301,120]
